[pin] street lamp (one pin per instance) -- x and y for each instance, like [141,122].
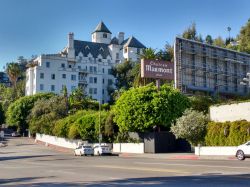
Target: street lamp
[100,135]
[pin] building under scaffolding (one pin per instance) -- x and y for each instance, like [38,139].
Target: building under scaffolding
[200,67]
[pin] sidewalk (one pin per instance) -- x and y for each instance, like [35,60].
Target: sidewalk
[176,156]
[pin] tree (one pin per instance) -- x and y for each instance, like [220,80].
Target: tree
[209,39]
[149,54]
[19,110]
[13,71]
[45,113]
[78,100]
[190,33]
[219,42]
[122,73]
[140,109]
[2,116]
[191,126]
[244,38]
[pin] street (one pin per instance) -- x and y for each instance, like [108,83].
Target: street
[22,163]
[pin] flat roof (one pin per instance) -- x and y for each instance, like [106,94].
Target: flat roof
[213,46]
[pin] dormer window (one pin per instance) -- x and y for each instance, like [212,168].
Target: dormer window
[99,60]
[101,49]
[87,47]
[105,35]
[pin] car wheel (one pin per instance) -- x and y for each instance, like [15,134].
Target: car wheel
[74,153]
[98,153]
[240,155]
[92,154]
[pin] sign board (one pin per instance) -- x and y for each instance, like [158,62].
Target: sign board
[157,69]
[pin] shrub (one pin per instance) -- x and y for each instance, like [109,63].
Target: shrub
[191,126]
[227,133]
[140,109]
[73,132]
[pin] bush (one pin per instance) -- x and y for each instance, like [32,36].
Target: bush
[140,109]
[73,132]
[18,111]
[191,126]
[227,133]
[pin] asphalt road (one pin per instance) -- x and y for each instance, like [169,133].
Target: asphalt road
[23,163]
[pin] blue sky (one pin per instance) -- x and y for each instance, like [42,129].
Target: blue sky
[33,27]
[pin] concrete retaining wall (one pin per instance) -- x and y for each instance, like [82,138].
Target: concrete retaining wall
[216,151]
[128,147]
[232,112]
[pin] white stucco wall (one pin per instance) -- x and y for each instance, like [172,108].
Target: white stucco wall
[232,112]
[62,142]
[128,147]
[216,151]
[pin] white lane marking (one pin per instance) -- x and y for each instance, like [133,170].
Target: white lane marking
[196,165]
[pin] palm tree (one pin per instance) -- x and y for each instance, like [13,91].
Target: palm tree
[13,70]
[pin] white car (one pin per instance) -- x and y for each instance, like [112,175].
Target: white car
[84,150]
[102,150]
[243,151]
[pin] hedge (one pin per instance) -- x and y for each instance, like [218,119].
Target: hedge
[227,133]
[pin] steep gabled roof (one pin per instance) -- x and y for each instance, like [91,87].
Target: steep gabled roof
[133,42]
[93,48]
[114,41]
[101,27]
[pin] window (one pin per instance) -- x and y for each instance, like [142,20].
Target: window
[41,87]
[99,60]
[73,77]
[47,64]
[70,66]
[92,90]
[103,70]
[53,76]
[93,69]
[52,88]
[117,55]
[103,81]
[110,82]
[41,75]
[63,65]
[109,71]
[109,61]
[138,51]
[79,67]
[102,91]
[105,35]
[64,76]
[93,80]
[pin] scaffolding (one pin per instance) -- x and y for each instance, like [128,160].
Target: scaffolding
[207,68]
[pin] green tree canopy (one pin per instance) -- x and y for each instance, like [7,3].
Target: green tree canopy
[190,33]
[45,113]
[140,109]
[13,70]
[209,39]
[244,38]
[19,110]
[191,126]
[2,116]
[219,42]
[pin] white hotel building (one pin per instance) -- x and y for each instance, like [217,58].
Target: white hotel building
[83,63]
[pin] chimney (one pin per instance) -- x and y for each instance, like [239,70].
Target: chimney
[120,37]
[71,50]
[71,40]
